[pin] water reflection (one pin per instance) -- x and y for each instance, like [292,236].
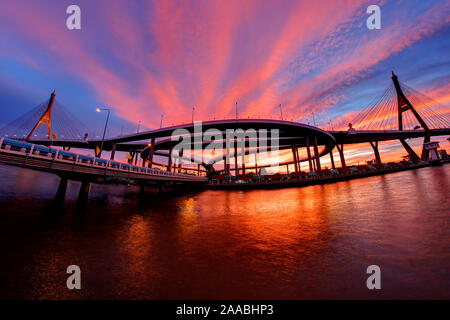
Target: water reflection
[312,242]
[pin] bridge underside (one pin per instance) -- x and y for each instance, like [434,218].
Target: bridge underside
[343,137]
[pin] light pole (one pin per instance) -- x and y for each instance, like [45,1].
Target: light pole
[104,131]
[193,108]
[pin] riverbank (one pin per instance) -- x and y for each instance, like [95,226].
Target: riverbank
[342,174]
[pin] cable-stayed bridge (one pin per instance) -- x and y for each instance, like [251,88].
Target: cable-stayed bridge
[400,113]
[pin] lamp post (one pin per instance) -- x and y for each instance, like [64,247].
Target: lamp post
[104,131]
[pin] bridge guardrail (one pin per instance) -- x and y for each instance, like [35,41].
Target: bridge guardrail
[56,155]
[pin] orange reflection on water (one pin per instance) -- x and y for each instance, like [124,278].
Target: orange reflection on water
[310,242]
[135,247]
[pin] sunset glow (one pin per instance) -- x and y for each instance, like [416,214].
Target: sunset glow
[164,57]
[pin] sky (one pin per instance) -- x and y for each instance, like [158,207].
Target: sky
[144,59]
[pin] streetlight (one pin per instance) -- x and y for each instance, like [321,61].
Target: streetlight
[104,131]
[193,108]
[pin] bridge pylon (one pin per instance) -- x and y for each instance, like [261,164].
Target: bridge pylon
[44,119]
[405,105]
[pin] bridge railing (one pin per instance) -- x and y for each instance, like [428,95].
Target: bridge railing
[38,151]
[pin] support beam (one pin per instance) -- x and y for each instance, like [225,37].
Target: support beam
[425,152]
[341,155]
[411,152]
[236,169]
[332,160]
[376,151]
[151,153]
[179,160]
[316,155]
[84,190]
[113,151]
[130,161]
[309,154]
[62,188]
[298,159]
[169,165]
[294,156]
[225,166]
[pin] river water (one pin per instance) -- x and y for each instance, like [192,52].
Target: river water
[296,243]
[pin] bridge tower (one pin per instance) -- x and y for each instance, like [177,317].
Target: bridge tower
[44,119]
[403,106]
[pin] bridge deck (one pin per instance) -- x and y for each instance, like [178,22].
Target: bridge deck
[82,167]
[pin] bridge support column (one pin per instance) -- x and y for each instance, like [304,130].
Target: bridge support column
[256,162]
[299,165]
[411,152]
[236,169]
[294,156]
[169,164]
[179,160]
[316,155]
[332,160]
[62,188]
[225,165]
[308,150]
[376,151]
[341,155]
[84,190]
[113,151]
[425,152]
[151,152]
